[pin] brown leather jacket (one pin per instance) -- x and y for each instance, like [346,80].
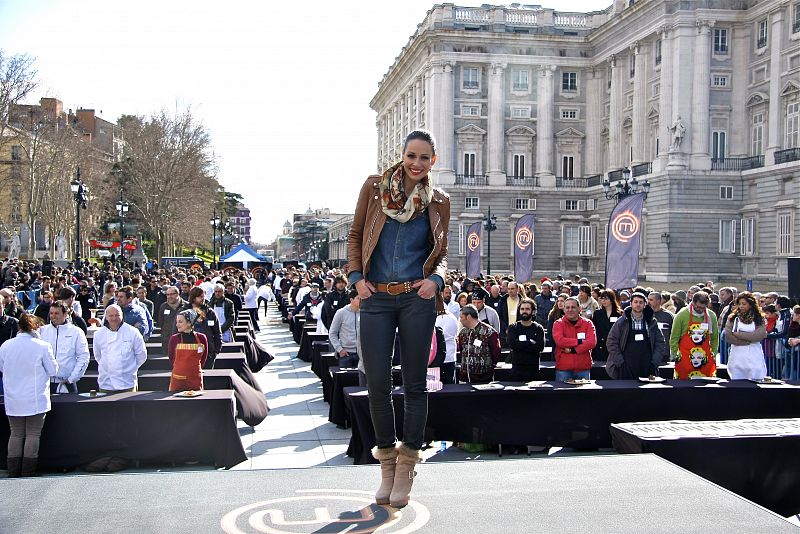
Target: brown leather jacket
[368,222]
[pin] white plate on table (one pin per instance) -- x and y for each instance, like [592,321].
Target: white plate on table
[188,394]
[488,387]
[655,380]
[90,396]
[770,382]
[712,379]
[578,381]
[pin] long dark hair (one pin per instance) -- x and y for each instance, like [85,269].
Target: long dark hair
[754,315]
[195,292]
[612,297]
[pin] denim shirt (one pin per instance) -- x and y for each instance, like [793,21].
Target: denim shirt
[400,253]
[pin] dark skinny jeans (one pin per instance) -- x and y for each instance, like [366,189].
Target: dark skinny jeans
[413,317]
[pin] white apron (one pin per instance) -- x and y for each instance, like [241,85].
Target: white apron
[220,311]
[746,361]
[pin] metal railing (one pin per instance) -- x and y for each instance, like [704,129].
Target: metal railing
[568,183]
[592,181]
[782,362]
[525,181]
[787,155]
[470,179]
[615,175]
[737,164]
[641,169]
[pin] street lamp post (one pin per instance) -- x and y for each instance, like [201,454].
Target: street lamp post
[122,210]
[489,223]
[215,220]
[80,191]
[625,188]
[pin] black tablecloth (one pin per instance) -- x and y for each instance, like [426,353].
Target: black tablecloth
[341,379]
[321,361]
[571,416]
[159,380]
[309,336]
[547,369]
[762,468]
[145,426]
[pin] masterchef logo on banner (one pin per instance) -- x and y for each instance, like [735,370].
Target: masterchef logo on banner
[622,247]
[474,250]
[625,226]
[523,248]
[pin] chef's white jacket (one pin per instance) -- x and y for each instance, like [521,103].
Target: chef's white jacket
[119,355]
[27,363]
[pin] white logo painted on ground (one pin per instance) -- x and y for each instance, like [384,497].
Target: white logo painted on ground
[325,511]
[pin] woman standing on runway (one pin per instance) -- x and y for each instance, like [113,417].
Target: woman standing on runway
[397,259]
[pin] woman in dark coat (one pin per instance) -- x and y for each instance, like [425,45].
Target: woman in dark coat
[603,320]
[206,324]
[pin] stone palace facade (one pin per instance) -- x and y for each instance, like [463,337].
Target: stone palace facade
[534,108]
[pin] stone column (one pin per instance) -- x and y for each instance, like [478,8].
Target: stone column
[665,115]
[544,126]
[739,133]
[614,116]
[495,129]
[639,134]
[446,127]
[775,121]
[701,97]
[683,44]
[418,100]
[594,115]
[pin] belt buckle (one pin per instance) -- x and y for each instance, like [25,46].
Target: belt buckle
[406,288]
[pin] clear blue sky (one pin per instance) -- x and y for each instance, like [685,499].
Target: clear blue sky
[283,87]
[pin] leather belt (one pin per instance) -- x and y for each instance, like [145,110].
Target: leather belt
[395,288]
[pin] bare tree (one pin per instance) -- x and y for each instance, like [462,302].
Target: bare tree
[169,175]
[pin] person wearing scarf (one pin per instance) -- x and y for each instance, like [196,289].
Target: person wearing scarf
[188,352]
[397,260]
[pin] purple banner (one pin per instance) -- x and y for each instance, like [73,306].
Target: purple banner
[473,248]
[523,249]
[622,247]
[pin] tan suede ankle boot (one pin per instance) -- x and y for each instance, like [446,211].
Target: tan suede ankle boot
[407,459]
[388,459]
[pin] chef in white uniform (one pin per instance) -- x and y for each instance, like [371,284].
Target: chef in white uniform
[119,350]
[69,347]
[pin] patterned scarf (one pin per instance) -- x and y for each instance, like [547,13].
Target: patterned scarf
[395,203]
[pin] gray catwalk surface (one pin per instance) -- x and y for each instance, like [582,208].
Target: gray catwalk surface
[636,493]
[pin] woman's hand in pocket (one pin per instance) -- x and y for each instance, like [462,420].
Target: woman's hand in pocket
[426,288]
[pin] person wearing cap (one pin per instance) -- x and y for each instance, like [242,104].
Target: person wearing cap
[635,344]
[544,302]
[694,340]
[624,298]
[188,352]
[485,313]
[335,300]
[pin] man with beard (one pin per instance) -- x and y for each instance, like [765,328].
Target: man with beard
[450,303]
[695,339]
[335,300]
[635,343]
[526,339]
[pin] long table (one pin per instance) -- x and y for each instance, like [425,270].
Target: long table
[758,459]
[145,426]
[571,416]
[159,380]
[224,360]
